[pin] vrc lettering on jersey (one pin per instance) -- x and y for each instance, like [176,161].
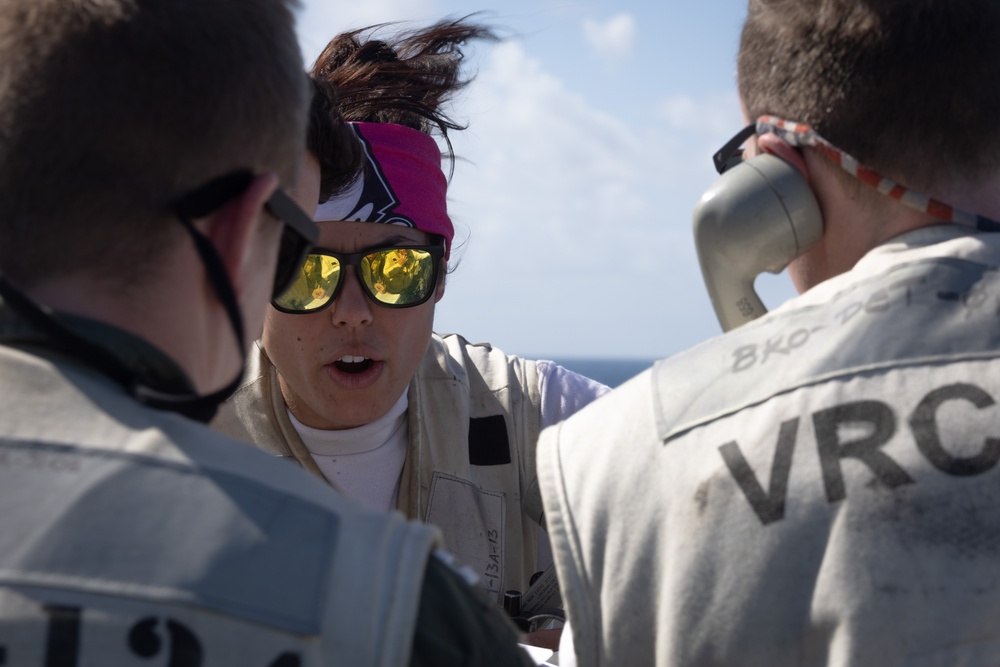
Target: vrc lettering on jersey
[883,424]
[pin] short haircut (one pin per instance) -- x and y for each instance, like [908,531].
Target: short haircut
[111,109]
[909,87]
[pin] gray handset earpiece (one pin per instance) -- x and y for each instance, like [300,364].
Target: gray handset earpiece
[758,216]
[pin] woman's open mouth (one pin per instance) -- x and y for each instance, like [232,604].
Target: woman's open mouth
[353,365]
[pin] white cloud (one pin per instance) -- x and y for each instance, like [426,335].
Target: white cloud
[578,221]
[613,39]
[707,122]
[716,114]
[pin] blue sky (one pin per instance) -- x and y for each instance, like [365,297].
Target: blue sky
[591,129]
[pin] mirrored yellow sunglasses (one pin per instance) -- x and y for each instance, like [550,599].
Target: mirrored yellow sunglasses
[392,277]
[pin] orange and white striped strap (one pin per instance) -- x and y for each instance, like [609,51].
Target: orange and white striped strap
[800,134]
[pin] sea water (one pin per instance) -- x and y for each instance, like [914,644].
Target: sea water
[611,372]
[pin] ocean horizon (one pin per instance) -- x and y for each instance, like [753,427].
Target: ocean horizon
[611,372]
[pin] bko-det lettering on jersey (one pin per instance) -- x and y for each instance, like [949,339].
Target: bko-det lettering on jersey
[895,299]
[769,505]
[149,637]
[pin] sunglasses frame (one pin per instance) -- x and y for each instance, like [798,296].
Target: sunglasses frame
[729,155]
[298,236]
[436,252]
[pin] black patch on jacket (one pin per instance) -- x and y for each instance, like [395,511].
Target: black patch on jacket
[488,444]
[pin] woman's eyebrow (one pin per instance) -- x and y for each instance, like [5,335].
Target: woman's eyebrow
[398,240]
[393,241]
[388,242]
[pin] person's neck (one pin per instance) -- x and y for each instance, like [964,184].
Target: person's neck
[856,219]
[981,197]
[195,334]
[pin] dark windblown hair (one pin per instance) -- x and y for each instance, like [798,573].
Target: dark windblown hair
[405,79]
[330,140]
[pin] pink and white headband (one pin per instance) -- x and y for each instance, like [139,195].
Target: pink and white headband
[401,183]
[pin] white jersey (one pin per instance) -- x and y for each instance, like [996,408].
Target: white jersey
[818,487]
[133,536]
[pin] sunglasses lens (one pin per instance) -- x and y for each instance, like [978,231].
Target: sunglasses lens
[313,285]
[291,253]
[399,276]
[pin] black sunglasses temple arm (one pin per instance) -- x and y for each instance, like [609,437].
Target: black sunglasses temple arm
[721,157]
[285,209]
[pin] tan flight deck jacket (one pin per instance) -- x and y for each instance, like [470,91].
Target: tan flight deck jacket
[473,420]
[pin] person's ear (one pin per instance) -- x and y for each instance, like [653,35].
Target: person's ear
[775,145]
[231,227]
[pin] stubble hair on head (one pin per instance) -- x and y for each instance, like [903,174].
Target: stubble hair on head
[111,109]
[909,87]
